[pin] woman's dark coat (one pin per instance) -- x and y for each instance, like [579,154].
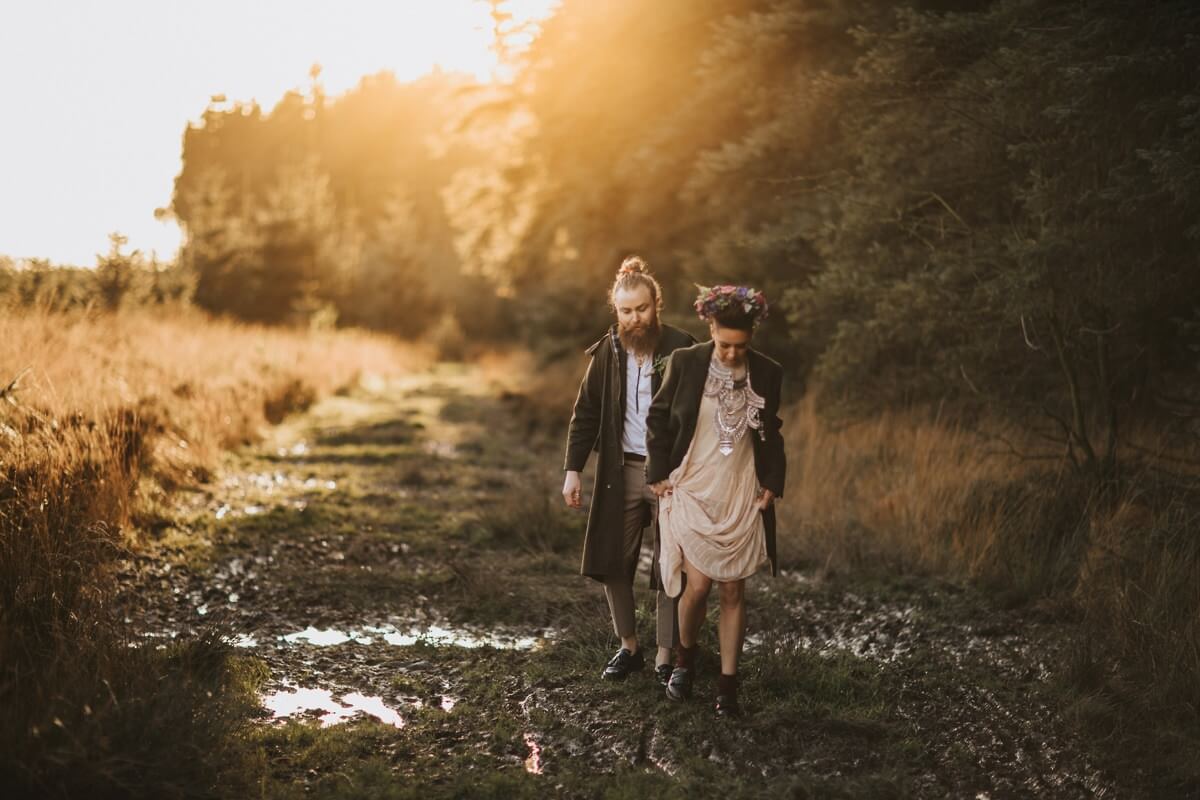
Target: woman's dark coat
[597,424]
[672,423]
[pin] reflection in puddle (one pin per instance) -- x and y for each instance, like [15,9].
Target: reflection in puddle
[435,635]
[533,764]
[325,638]
[285,703]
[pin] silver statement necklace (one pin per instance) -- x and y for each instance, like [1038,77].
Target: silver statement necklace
[738,405]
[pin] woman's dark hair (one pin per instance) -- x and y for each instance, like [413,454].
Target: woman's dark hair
[734,317]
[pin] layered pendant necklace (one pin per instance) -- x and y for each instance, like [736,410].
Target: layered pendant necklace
[738,405]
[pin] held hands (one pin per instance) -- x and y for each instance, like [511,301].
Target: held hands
[662,488]
[765,498]
[572,490]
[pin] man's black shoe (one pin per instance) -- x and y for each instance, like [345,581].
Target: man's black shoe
[663,673]
[623,663]
[679,687]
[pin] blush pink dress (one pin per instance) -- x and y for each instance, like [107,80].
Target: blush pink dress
[712,517]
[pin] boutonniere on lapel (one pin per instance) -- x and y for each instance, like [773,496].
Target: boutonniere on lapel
[660,365]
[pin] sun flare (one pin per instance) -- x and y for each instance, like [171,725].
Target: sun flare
[104,91]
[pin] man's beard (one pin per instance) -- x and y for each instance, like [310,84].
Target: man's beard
[641,340]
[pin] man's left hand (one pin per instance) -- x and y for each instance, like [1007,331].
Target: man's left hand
[765,498]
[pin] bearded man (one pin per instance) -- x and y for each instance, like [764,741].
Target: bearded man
[610,417]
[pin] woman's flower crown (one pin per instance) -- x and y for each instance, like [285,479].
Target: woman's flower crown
[716,299]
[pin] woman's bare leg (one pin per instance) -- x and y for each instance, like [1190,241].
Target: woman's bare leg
[731,628]
[693,603]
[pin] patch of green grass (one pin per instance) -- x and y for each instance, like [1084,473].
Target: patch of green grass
[385,432]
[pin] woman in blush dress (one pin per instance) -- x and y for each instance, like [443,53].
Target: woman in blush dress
[717,464]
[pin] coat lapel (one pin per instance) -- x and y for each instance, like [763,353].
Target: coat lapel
[693,389]
[620,363]
[758,373]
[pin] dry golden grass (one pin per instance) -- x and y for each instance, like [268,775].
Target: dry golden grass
[105,404]
[903,492]
[211,383]
[887,490]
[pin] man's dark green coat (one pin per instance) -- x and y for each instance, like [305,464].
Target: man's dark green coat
[597,424]
[676,406]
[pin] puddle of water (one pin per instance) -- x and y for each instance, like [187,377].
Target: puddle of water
[326,638]
[533,764]
[298,700]
[374,706]
[436,635]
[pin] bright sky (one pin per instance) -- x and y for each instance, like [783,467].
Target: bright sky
[94,96]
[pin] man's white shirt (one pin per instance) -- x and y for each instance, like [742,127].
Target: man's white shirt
[637,403]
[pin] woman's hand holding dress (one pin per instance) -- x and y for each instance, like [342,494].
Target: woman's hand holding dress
[765,498]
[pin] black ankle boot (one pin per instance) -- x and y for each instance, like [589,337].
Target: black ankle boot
[727,696]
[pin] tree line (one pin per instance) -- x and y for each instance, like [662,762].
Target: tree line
[985,204]
[972,204]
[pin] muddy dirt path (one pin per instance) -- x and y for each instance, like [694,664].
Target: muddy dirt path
[398,560]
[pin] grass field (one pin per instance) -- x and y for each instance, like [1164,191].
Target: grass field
[113,421]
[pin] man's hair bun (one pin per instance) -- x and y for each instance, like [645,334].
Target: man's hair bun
[633,273]
[633,265]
